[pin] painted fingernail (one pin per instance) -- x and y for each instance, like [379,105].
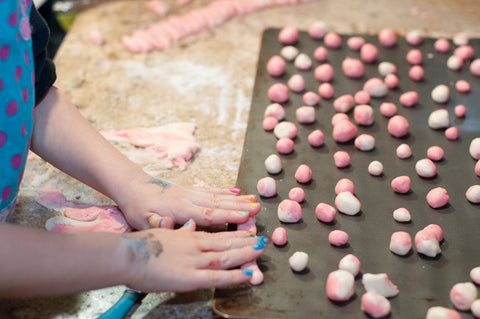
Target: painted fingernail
[243,212]
[253,204]
[258,246]
[160,222]
[262,239]
[247,272]
[251,234]
[235,191]
[188,222]
[250,198]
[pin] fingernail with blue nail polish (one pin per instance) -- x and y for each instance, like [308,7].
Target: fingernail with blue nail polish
[242,212]
[188,222]
[247,272]
[262,239]
[258,246]
[160,222]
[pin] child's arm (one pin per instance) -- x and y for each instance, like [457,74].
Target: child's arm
[39,263]
[63,137]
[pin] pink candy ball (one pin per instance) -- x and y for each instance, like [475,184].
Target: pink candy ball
[267,187]
[375,87]
[368,53]
[414,37]
[276,66]
[391,81]
[332,40]
[325,90]
[338,238]
[303,174]
[275,110]
[296,83]
[317,30]
[388,109]
[285,145]
[355,43]
[416,73]
[344,185]
[464,52]
[477,168]
[289,211]
[414,56]
[320,54]
[296,194]
[269,123]
[341,159]
[344,103]
[451,133]
[288,35]
[344,131]
[305,114]
[401,184]
[316,138]
[442,45]
[475,67]
[437,197]
[365,142]
[279,236]
[376,305]
[409,99]
[361,97]
[435,153]
[278,92]
[353,68]
[426,168]
[462,86]
[387,37]
[338,117]
[460,110]
[398,126]
[325,213]
[323,72]
[363,114]
[311,98]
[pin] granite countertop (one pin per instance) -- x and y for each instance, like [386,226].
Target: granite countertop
[206,79]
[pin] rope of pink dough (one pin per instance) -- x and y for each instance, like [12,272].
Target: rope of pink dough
[161,35]
[257,275]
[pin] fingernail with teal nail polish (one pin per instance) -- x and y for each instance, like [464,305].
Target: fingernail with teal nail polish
[188,222]
[160,222]
[258,246]
[243,212]
[247,272]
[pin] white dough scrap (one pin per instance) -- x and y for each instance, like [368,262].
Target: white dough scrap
[380,284]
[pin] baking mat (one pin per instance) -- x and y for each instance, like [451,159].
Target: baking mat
[423,282]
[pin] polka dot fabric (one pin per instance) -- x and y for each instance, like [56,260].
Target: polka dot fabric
[17,98]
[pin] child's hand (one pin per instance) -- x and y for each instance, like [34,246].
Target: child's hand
[183,260]
[158,203]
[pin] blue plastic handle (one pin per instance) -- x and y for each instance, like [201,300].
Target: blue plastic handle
[122,306]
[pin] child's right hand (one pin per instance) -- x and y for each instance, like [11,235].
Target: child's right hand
[183,260]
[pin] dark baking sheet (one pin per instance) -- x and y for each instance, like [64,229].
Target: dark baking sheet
[423,282]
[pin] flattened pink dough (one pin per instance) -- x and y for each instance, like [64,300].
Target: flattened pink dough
[338,238]
[325,213]
[279,236]
[341,159]
[344,185]
[438,197]
[340,285]
[303,174]
[401,184]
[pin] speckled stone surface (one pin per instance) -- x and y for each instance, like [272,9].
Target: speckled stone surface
[206,79]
